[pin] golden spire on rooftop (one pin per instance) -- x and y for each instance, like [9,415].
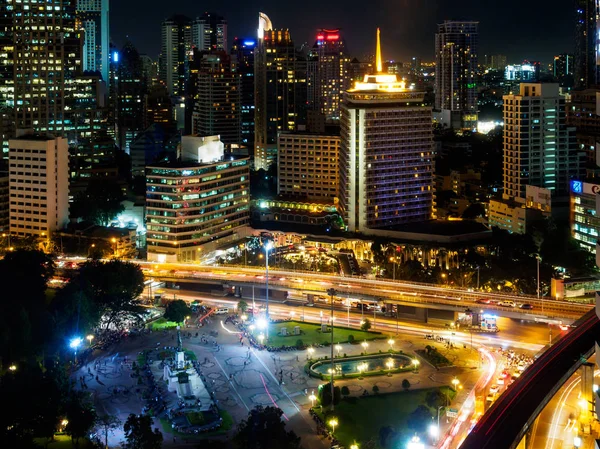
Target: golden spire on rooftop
[378,53]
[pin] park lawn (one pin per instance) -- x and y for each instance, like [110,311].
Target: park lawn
[360,418]
[311,334]
[226,426]
[162,324]
[63,442]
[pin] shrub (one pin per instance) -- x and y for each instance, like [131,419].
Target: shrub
[366,325]
[350,340]
[375,389]
[299,344]
[405,384]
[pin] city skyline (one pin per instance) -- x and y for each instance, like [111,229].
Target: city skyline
[407,29]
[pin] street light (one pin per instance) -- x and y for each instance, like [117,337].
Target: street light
[354,446]
[333,422]
[390,366]
[244,318]
[455,382]
[311,351]
[268,246]
[90,338]
[331,292]
[261,338]
[391,343]
[434,431]
[312,398]
[415,362]
[74,344]
[114,241]
[12,368]
[252,327]
[338,348]
[365,345]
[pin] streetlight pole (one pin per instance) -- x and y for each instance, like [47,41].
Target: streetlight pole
[478,278]
[331,292]
[267,248]
[537,258]
[437,439]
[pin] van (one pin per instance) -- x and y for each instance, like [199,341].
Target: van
[222,311]
[507,304]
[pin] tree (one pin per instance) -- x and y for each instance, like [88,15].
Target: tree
[345,391]
[114,287]
[435,398]
[108,423]
[406,384]
[139,433]
[366,325]
[242,306]
[264,429]
[375,389]
[177,311]
[80,416]
[324,394]
[419,419]
[100,203]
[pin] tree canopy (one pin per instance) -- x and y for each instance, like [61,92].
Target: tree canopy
[177,310]
[264,429]
[100,203]
[139,433]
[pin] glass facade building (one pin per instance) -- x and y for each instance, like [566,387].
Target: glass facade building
[189,204]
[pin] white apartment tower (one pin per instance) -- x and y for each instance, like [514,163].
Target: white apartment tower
[209,32]
[386,176]
[38,184]
[539,149]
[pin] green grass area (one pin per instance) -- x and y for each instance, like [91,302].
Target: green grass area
[225,427]
[195,418]
[361,418]
[190,355]
[311,334]
[433,356]
[63,442]
[162,324]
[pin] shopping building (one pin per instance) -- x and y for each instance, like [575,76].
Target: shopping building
[585,223]
[198,203]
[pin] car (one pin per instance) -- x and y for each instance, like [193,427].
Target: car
[491,398]
[507,304]
[483,301]
[526,306]
[500,381]
[221,311]
[494,389]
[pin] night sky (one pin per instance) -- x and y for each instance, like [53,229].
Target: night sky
[517,28]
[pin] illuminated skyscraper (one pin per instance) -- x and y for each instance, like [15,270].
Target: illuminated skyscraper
[93,17]
[280,80]
[332,72]
[41,71]
[386,174]
[243,50]
[586,44]
[217,110]
[209,32]
[455,73]
[175,53]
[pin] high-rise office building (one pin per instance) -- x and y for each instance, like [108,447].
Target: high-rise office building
[308,165]
[562,69]
[39,184]
[243,50]
[201,200]
[280,80]
[587,40]
[455,73]
[158,109]
[93,17]
[209,32]
[128,92]
[386,173]
[47,55]
[175,53]
[495,62]
[7,88]
[332,72]
[539,148]
[217,111]
[583,113]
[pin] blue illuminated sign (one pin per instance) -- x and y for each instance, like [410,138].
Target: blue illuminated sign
[576,186]
[249,43]
[116,56]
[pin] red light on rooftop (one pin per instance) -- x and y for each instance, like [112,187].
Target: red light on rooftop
[333,37]
[320,37]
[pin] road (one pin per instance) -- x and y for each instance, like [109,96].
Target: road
[401,292]
[505,421]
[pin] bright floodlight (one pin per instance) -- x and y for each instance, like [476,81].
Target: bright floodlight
[268,245]
[415,443]
[261,323]
[75,343]
[434,430]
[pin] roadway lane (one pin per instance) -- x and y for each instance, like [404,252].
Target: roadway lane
[504,423]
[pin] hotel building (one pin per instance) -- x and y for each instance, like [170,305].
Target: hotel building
[386,176]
